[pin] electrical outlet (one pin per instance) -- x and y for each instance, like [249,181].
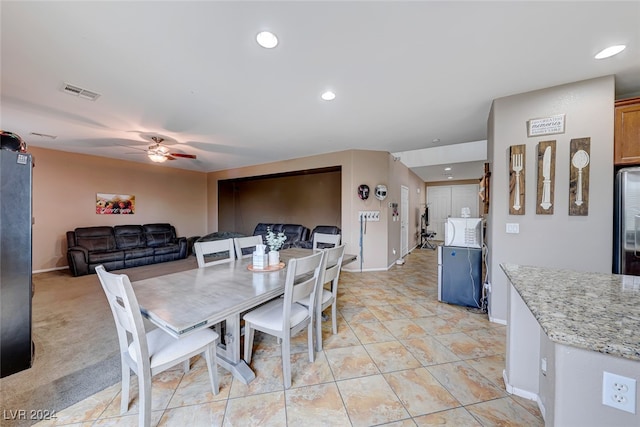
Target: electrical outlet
[619,392]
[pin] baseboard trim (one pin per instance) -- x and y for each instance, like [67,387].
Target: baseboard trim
[515,390]
[357,270]
[45,270]
[524,394]
[498,321]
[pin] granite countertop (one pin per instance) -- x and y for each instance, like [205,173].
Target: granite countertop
[594,311]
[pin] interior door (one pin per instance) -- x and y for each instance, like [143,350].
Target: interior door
[439,203]
[404,220]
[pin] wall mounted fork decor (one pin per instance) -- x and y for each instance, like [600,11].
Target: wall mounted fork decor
[517,162]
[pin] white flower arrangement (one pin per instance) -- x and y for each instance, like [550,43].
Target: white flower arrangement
[275,241]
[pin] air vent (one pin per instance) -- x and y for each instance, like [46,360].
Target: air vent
[43,135]
[78,91]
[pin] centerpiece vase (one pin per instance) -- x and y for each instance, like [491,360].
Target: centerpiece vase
[274,257]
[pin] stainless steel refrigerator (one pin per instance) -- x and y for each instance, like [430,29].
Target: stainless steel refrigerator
[15,262]
[626,235]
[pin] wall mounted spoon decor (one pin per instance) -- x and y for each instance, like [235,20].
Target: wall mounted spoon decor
[580,160]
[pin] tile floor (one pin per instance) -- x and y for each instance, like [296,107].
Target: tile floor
[400,358]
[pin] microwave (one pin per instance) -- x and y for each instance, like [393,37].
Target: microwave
[463,232]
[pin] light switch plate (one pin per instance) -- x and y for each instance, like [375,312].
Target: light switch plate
[513,228]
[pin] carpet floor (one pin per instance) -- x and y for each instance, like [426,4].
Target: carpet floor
[75,354]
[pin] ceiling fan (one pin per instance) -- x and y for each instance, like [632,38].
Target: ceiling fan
[159,153]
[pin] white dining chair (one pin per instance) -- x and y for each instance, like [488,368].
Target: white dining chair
[224,252]
[149,353]
[328,297]
[223,249]
[323,241]
[246,242]
[284,317]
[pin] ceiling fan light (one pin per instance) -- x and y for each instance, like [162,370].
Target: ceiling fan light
[158,153]
[157,158]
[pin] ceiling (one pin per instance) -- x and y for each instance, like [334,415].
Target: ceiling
[405,73]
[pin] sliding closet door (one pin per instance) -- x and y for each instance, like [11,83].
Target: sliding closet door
[447,201]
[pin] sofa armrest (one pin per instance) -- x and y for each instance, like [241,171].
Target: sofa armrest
[182,242]
[71,239]
[78,258]
[190,241]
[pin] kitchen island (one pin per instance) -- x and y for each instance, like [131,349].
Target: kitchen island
[565,329]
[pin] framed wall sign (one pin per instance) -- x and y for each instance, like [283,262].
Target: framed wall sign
[546,125]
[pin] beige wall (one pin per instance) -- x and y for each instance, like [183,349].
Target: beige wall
[64,197]
[65,187]
[582,243]
[358,167]
[400,175]
[311,198]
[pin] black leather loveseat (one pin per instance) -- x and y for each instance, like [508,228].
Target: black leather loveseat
[295,232]
[122,246]
[324,229]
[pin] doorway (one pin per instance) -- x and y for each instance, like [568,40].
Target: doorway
[404,221]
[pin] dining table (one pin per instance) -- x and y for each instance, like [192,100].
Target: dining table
[183,302]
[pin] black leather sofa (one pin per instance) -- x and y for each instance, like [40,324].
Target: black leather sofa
[324,229]
[122,246]
[294,232]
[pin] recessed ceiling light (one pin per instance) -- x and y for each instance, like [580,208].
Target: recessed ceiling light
[267,39]
[436,140]
[328,96]
[448,168]
[610,51]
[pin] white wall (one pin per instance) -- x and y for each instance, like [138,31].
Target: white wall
[581,243]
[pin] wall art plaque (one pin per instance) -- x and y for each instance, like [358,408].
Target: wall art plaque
[579,162]
[546,177]
[115,204]
[546,125]
[517,162]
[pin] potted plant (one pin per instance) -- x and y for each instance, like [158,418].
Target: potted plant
[275,242]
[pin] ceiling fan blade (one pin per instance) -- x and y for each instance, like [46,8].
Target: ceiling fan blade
[184,156]
[169,157]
